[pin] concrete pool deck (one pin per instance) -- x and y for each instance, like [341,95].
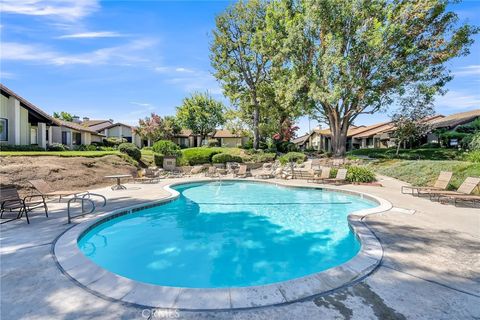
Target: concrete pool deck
[430,268]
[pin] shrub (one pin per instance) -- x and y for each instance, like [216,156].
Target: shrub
[131,150]
[56,147]
[475,142]
[201,155]
[297,157]
[113,142]
[473,156]
[21,148]
[264,157]
[212,143]
[360,174]
[225,157]
[158,159]
[91,147]
[167,148]
[147,148]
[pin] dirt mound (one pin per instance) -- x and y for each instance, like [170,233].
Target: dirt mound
[62,173]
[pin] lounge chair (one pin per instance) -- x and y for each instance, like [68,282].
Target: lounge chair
[442,183]
[212,172]
[303,174]
[464,191]
[242,171]
[340,178]
[324,175]
[11,202]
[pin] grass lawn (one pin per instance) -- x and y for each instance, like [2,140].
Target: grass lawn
[425,172]
[88,154]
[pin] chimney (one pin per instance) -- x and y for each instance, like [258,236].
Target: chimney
[85,119]
[76,119]
[111,120]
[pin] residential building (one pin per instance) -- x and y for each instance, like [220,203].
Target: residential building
[227,138]
[110,129]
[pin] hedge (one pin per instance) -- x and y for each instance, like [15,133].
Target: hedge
[131,150]
[21,148]
[360,174]
[225,157]
[297,157]
[195,156]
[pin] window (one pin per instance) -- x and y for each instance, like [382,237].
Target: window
[3,129]
[33,135]
[65,137]
[76,138]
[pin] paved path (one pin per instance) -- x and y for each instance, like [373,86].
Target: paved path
[430,270]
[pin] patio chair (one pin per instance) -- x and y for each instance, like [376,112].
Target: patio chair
[464,191]
[340,178]
[324,174]
[11,202]
[242,171]
[442,183]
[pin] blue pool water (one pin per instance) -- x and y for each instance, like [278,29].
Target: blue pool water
[229,234]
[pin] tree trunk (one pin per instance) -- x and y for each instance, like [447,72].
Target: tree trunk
[398,147]
[339,136]
[256,120]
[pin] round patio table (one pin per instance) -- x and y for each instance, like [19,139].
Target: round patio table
[118,186]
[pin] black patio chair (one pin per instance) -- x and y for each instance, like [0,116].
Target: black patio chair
[11,202]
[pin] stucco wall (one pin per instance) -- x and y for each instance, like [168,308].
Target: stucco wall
[7,111]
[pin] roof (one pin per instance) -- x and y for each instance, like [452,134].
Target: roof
[27,104]
[374,129]
[97,125]
[184,133]
[302,139]
[351,131]
[76,126]
[111,125]
[221,133]
[456,119]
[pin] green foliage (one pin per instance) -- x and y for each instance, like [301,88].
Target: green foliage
[63,116]
[360,174]
[262,157]
[155,127]
[28,147]
[475,142]
[167,148]
[212,143]
[131,150]
[473,156]
[225,157]
[158,159]
[194,156]
[297,157]
[113,142]
[200,113]
[409,154]
[56,147]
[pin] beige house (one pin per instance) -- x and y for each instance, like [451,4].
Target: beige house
[227,138]
[111,129]
[23,123]
[224,138]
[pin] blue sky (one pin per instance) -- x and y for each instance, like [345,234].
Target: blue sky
[126,59]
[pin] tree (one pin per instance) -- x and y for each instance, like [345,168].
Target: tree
[63,116]
[410,119]
[151,127]
[240,66]
[171,127]
[201,113]
[355,57]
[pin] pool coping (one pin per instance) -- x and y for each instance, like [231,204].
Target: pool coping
[83,271]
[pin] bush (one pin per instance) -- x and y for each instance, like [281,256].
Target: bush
[158,159]
[114,142]
[264,157]
[213,143]
[147,148]
[21,148]
[167,148]
[360,174]
[225,157]
[201,155]
[131,150]
[297,157]
[56,147]
[473,156]
[475,142]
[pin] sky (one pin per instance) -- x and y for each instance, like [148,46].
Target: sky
[124,59]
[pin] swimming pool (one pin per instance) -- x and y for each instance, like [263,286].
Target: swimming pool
[229,234]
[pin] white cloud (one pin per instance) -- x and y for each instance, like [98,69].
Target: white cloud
[190,79]
[89,35]
[6,75]
[458,100]
[59,9]
[142,104]
[185,70]
[127,54]
[471,70]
